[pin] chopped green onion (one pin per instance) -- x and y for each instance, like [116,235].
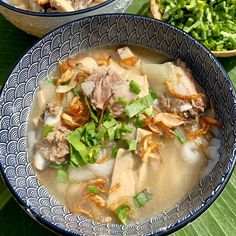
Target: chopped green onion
[123,101]
[109,123]
[138,106]
[62,175]
[76,92]
[92,189]
[134,87]
[148,112]
[143,197]
[51,80]
[179,135]
[91,111]
[138,123]
[132,145]
[123,213]
[56,166]
[153,94]
[47,129]
[114,152]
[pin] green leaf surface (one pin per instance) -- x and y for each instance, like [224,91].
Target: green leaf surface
[219,219]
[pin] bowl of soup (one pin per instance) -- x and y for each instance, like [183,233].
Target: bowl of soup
[38,17]
[117,124]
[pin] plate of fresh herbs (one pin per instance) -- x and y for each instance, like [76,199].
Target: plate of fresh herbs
[212,22]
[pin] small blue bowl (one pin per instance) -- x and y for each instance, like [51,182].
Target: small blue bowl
[76,37]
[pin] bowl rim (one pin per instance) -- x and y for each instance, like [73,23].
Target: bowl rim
[53,14]
[177,225]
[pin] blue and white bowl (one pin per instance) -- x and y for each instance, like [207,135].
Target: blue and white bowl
[39,24]
[41,60]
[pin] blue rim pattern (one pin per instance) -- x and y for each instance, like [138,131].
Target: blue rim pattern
[59,14]
[174,43]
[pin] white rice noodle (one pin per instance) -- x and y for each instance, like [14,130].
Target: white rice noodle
[212,152]
[45,94]
[190,152]
[40,162]
[52,120]
[158,74]
[104,169]
[80,174]
[88,64]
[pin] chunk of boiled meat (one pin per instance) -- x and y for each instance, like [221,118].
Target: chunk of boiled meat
[55,147]
[105,85]
[184,85]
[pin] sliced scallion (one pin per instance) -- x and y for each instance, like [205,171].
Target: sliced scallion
[47,129]
[143,197]
[92,189]
[134,87]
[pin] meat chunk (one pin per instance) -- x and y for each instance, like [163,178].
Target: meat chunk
[53,109]
[185,86]
[105,85]
[55,147]
[169,103]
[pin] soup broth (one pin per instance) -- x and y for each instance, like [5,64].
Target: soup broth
[121,134]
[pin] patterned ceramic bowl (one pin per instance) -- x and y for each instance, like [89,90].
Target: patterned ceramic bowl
[41,60]
[39,24]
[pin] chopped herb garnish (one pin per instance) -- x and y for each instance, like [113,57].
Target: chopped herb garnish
[148,112]
[62,175]
[51,80]
[132,145]
[153,94]
[92,189]
[138,106]
[92,111]
[143,197]
[114,152]
[179,135]
[123,101]
[139,123]
[123,213]
[76,92]
[47,129]
[134,87]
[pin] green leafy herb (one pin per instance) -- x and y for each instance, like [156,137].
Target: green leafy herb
[92,189]
[143,197]
[123,213]
[134,87]
[211,22]
[46,130]
[179,135]
[138,106]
